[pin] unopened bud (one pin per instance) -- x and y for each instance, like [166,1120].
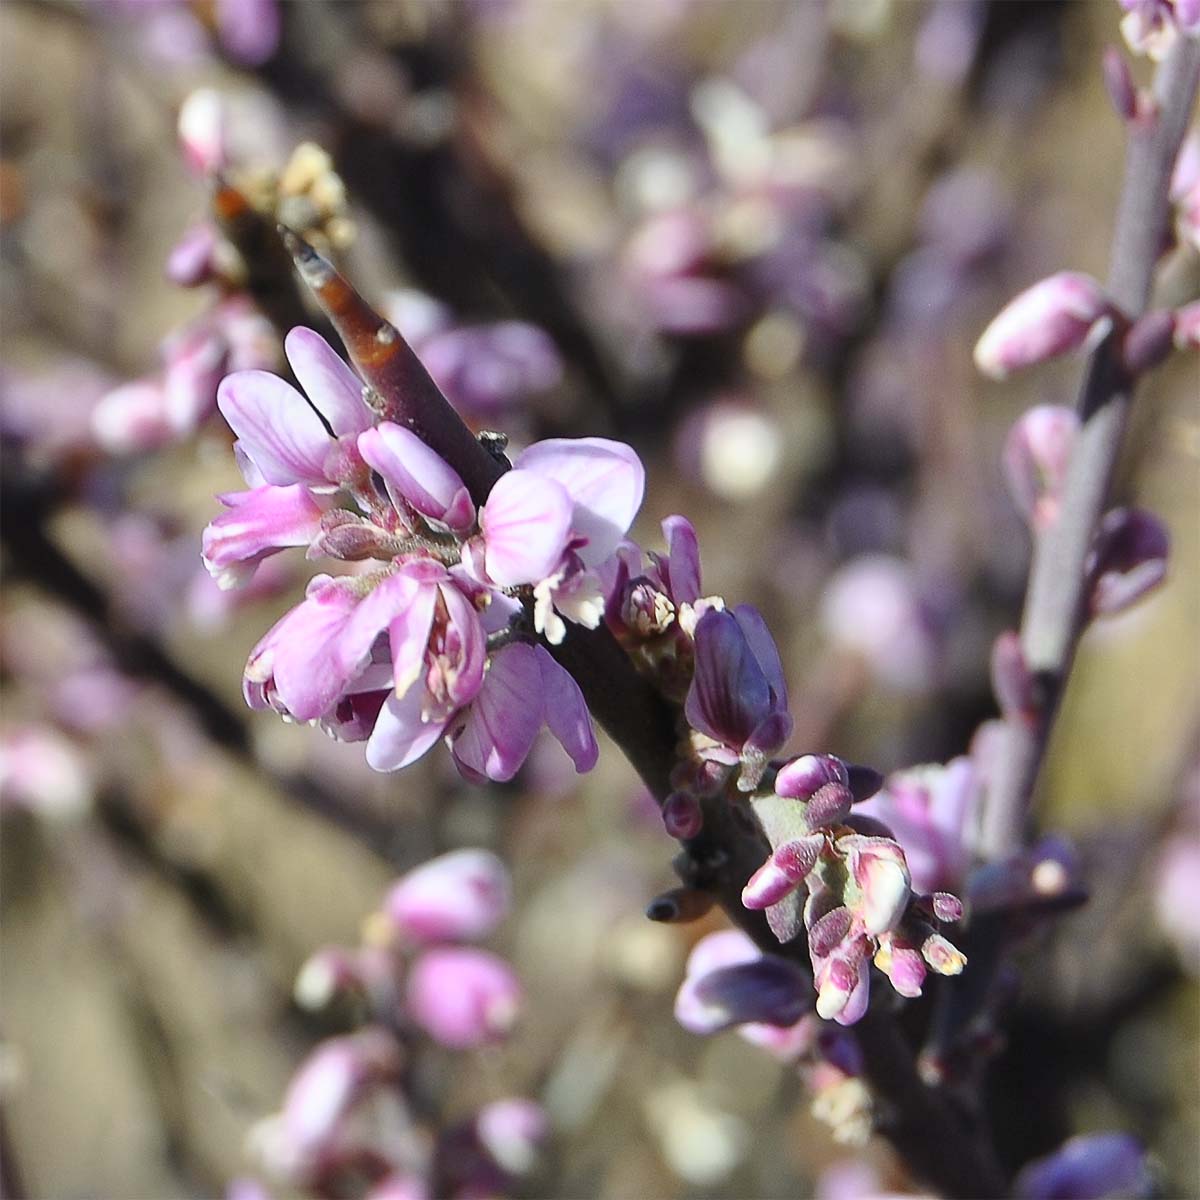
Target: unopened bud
[682,815]
[901,962]
[460,896]
[463,997]
[942,955]
[827,932]
[201,129]
[828,805]
[354,540]
[769,989]
[1036,454]
[802,776]
[1052,318]
[946,907]
[1128,559]
[1148,341]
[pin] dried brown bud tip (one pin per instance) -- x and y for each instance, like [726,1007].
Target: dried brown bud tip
[680,905]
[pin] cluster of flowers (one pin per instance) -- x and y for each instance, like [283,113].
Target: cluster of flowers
[434,639]
[1151,27]
[345,1121]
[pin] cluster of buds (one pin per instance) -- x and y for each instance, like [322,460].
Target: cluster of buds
[858,903]
[1151,27]
[345,1122]
[431,635]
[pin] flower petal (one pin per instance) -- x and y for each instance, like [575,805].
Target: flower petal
[417,474]
[401,735]
[566,712]
[278,430]
[526,523]
[330,384]
[505,718]
[606,481]
[259,522]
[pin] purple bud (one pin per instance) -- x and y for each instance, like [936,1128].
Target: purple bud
[461,896]
[1091,1167]
[864,782]
[901,962]
[800,778]
[946,907]
[1148,341]
[827,932]
[680,905]
[463,997]
[1011,678]
[1119,81]
[682,815]
[770,990]
[828,805]
[1036,454]
[797,858]
[1128,559]
[767,886]
[1051,318]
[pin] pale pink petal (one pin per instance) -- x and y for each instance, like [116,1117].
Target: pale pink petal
[505,718]
[278,430]
[526,523]
[400,735]
[605,479]
[328,382]
[258,523]
[566,712]
[462,654]
[309,676]
[374,613]
[418,474]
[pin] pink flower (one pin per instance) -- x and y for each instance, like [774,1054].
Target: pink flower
[416,475]
[1036,454]
[1050,319]
[259,523]
[463,997]
[461,896]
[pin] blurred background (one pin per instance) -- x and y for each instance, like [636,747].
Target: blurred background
[756,241]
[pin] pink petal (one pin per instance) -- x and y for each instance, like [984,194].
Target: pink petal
[401,736]
[462,652]
[605,479]
[278,430]
[309,676]
[526,523]
[418,474]
[258,523]
[375,612]
[566,712]
[328,382]
[505,718]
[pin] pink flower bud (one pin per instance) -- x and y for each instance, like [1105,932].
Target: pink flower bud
[801,777]
[828,805]
[1050,319]
[132,418]
[946,907]
[682,816]
[1128,559]
[842,989]
[463,997]
[201,130]
[901,962]
[942,955]
[512,1132]
[461,896]
[1036,454]
[1187,326]
[767,886]
[1011,678]
[768,990]
[880,873]
[190,262]
[828,931]
[1148,341]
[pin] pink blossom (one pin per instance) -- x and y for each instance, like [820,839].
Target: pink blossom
[259,522]
[461,896]
[1049,319]
[416,475]
[1036,454]
[463,997]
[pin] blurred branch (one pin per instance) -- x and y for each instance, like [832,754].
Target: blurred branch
[1055,604]
[35,555]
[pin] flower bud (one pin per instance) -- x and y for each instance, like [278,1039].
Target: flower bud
[1118,80]
[682,815]
[842,989]
[1036,454]
[201,129]
[783,872]
[132,418]
[1052,318]
[946,907]
[463,997]
[769,990]
[1128,559]
[513,1131]
[802,776]
[191,262]
[828,805]
[461,896]
[901,962]
[942,955]
[1092,1166]
[827,932]
[354,540]
[878,869]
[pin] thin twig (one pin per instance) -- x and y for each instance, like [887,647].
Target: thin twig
[1055,604]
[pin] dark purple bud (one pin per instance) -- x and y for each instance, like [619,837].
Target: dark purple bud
[680,905]
[946,907]
[828,932]
[1148,341]
[1128,559]
[1011,679]
[797,858]
[682,815]
[864,782]
[840,1049]
[828,805]
[800,778]
[1119,82]
[770,990]
[1091,1167]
